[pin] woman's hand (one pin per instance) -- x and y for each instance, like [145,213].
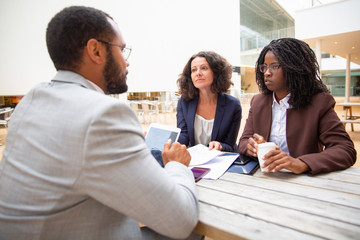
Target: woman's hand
[253,142]
[277,160]
[215,145]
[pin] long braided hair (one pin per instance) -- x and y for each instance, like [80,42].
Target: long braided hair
[300,69]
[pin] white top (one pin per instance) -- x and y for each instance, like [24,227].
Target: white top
[202,130]
[278,126]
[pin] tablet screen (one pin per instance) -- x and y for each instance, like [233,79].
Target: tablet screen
[158,135]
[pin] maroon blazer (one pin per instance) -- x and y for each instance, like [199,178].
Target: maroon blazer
[314,134]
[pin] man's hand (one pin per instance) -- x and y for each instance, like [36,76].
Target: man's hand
[177,153]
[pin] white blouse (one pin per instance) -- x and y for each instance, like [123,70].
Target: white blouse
[278,126]
[202,130]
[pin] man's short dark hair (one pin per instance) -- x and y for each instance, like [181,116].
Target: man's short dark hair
[222,71]
[69,31]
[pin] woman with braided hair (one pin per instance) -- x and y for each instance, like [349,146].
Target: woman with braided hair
[295,111]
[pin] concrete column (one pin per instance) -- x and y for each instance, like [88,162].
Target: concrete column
[347,78]
[318,54]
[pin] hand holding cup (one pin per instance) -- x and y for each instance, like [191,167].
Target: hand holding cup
[262,149]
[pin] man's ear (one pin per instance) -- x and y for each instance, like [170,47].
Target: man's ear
[95,51]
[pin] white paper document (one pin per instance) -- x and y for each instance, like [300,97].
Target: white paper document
[217,161]
[201,154]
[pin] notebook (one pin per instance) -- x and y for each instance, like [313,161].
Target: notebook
[248,168]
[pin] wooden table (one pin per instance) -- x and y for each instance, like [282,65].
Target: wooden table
[348,116]
[281,206]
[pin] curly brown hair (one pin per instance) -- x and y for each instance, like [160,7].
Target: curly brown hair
[300,68]
[222,71]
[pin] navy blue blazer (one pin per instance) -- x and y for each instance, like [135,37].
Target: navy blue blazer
[226,123]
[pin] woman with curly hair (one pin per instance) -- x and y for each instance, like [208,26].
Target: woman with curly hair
[295,111]
[205,113]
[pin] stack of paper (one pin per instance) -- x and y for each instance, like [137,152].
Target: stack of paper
[216,160]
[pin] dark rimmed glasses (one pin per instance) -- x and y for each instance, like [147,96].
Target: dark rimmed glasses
[124,51]
[272,67]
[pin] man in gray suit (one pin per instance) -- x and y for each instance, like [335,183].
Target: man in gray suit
[75,164]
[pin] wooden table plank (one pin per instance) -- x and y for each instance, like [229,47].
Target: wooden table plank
[330,184]
[318,226]
[281,206]
[321,208]
[348,104]
[342,177]
[221,224]
[288,187]
[350,171]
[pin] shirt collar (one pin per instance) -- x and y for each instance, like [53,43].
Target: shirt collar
[284,101]
[72,77]
[96,87]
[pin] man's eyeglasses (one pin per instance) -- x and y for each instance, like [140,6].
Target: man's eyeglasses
[272,67]
[125,51]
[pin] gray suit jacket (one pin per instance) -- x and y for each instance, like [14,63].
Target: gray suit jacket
[76,166]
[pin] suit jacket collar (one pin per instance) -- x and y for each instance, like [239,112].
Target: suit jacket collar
[220,111]
[191,116]
[265,110]
[75,78]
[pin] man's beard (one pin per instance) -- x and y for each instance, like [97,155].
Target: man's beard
[115,81]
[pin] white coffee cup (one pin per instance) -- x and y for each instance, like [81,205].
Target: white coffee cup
[264,148]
